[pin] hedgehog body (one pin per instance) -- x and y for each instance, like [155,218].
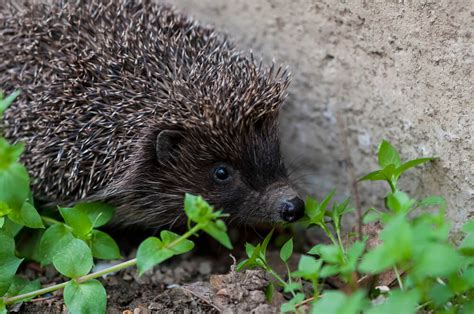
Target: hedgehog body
[134,104]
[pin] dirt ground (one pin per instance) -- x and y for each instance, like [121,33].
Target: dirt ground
[185,284]
[202,281]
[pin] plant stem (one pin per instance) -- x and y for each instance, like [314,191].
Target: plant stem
[186,235]
[329,234]
[341,246]
[392,186]
[277,277]
[399,279]
[81,279]
[97,274]
[314,281]
[289,273]
[51,221]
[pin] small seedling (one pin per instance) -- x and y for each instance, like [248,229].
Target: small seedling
[438,276]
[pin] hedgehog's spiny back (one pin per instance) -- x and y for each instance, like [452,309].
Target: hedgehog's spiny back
[96,75]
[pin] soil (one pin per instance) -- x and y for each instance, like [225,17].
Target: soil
[185,284]
[203,281]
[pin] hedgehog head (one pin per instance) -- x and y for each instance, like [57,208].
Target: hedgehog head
[219,139]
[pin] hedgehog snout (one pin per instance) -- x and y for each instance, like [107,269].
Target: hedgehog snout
[292,209]
[283,203]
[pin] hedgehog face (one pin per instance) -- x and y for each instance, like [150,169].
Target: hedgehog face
[243,175]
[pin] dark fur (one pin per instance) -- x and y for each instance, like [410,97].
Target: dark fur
[101,79]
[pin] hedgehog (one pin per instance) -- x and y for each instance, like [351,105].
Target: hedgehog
[134,104]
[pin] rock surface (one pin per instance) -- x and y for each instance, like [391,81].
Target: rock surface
[366,71]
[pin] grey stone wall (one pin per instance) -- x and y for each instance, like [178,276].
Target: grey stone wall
[364,71]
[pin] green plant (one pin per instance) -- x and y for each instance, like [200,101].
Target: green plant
[72,241]
[71,246]
[438,276]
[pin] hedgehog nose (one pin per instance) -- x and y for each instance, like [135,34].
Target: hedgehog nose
[292,210]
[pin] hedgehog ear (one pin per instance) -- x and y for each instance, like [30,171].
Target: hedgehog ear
[167,143]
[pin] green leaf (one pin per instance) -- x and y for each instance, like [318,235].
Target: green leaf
[265,243]
[286,250]
[178,247]
[329,270]
[313,210]
[353,255]
[398,302]
[103,246]
[5,103]
[218,231]
[459,282]
[436,260]
[2,221]
[14,185]
[4,209]
[22,286]
[410,164]
[388,172]
[3,308]
[385,174]
[9,153]
[153,251]
[53,240]
[388,155]
[433,201]
[376,175]
[249,249]
[315,250]
[269,292]
[377,260]
[399,202]
[308,267]
[371,216]
[294,286]
[338,211]
[8,262]
[467,245]
[326,200]
[85,298]
[28,244]
[191,207]
[254,253]
[336,302]
[397,246]
[150,253]
[99,213]
[440,294]
[27,215]
[11,228]
[342,208]
[79,221]
[468,276]
[468,226]
[331,254]
[198,210]
[8,244]
[74,260]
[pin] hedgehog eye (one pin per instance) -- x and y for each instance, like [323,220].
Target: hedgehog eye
[222,174]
